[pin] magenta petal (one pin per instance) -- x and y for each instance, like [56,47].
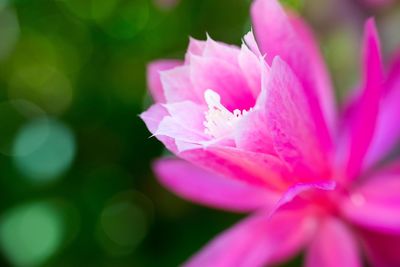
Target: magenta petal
[291,126]
[387,133]
[154,80]
[382,250]
[252,134]
[376,204]
[322,80]
[214,190]
[333,246]
[253,168]
[363,127]
[278,35]
[300,189]
[256,241]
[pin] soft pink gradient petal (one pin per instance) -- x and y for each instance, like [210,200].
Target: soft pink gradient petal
[224,78]
[387,132]
[254,168]
[276,36]
[177,85]
[332,246]
[322,79]
[363,127]
[256,241]
[196,47]
[250,66]
[296,195]
[375,204]
[291,126]
[221,51]
[252,134]
[153,77]
[152,118]
[382,249]
[182,125]
[210,189]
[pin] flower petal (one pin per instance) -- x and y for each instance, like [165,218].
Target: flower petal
[177,85]
[152,118]
[250,66]
[224,78]
[376,203]
[363,127]
[153,77]
[382,249]
[291,126]
[322,80]
[214,190]
[278,35]
[333,246]
[256,241]
[387,133]
[196,47]
[253,168]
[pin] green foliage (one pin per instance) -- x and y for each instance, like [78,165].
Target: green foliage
[293,4]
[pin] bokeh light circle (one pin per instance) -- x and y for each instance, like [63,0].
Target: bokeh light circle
[124,222]
[44,149]
[30,234]
[13,115]
[43,84]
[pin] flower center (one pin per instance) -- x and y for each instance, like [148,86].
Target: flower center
[219,121]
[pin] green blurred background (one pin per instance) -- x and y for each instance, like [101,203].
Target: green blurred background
[75,160]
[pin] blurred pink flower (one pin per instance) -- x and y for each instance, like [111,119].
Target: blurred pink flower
[256,130]
[378,3]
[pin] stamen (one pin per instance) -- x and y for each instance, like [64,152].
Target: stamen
[219,121]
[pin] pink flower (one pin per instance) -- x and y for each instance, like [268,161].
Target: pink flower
[378,3]
[255,130]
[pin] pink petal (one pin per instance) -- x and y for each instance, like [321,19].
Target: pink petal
[184,125]
[250,66]
[376,203]
[214,190]
[250,41]
[152,118]
[292,197]
[153,77]
[387,133]
[382,250]
[256,241]
[277,35]
[224,78]
[333,246]
[291,126]
[253,168]
[196,47]
[252,134]
[177,85]
[366,115]
[221,51]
